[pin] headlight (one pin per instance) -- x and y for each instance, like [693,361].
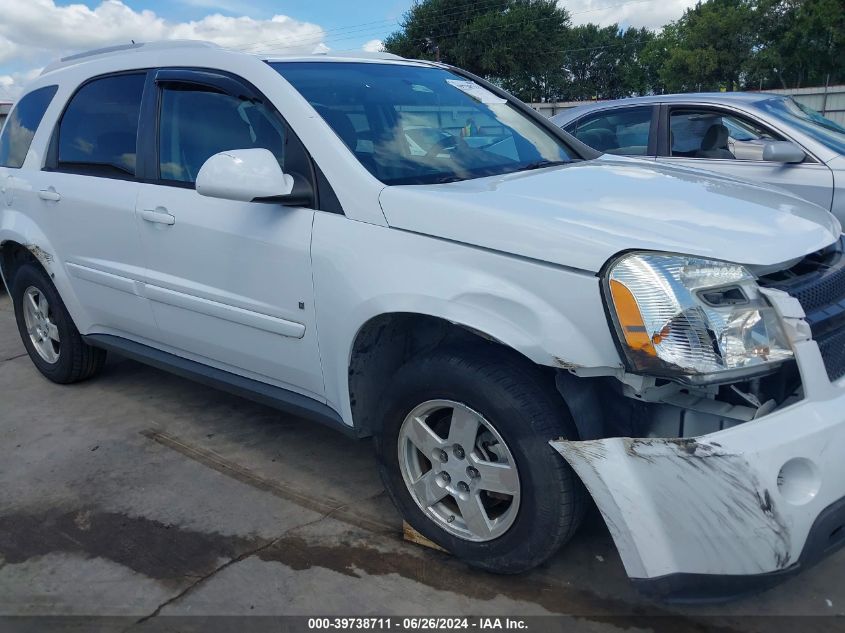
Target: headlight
[697,320]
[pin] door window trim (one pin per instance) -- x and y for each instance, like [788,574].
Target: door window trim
[664,151]
[51,161]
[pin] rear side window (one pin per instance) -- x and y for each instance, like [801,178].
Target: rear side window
[621,131]
[99,129]
[21,125]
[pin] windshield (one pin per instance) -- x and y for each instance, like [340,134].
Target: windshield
[422,125]
[827,132]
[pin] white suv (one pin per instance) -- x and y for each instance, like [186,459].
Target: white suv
[403,251]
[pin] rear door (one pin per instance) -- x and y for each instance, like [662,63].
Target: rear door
[731,143]
[230,282]
[85,198]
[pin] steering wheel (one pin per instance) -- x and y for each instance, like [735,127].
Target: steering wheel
[451,141]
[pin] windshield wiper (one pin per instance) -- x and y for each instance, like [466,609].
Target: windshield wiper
[542,163]
[442,180]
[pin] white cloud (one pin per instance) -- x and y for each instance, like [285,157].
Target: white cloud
[37,31]
[7,49]
[649,13]
[373,46]
[11,84]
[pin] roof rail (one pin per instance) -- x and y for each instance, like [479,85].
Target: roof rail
[358,54]
[70,60]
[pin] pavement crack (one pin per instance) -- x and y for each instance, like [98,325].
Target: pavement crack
[237,559]
[201,579]
[13,357]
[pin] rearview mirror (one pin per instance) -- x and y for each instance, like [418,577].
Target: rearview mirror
[782,152]
[244,175]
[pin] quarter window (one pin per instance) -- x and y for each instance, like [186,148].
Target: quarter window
[620,131]
[21,125]
[99,129]
[196,124]
[715,135]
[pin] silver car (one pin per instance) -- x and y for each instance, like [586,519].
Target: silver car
[753,136]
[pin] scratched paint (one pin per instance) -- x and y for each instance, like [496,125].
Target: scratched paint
[682,505]
[40,254]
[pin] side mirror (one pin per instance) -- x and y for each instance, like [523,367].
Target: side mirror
[244,175]
[783,152]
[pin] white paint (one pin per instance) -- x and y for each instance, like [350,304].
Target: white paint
[243,175]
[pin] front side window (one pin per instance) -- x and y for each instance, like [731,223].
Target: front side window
[624,131]
[196,124]
[20,128]
[713,134]
[99,129]
[421,125]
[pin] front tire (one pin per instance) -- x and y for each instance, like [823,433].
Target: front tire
[51,339]
[464,454]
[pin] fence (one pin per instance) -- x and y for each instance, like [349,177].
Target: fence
[829,100]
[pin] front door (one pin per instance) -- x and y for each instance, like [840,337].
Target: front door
[732,144]
[230,282]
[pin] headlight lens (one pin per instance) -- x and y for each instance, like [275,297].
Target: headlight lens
[696,319]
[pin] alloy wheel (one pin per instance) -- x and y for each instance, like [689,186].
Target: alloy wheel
[459,470]
[40,325]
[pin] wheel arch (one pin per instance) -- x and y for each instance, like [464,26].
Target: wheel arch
[387,341]
[27,243]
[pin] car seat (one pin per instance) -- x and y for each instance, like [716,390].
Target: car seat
[715,143]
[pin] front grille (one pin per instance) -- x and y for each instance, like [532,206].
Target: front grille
[827,289]
[818,282]
[832,348]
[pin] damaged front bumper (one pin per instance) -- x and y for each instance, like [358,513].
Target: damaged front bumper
[730,512]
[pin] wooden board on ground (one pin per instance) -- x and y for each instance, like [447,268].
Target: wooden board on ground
[410,534]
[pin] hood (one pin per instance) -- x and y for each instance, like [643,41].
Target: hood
[580,215]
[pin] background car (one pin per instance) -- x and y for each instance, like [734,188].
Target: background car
[754,136]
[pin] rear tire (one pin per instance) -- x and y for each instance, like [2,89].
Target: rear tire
[48,333]
[519,411]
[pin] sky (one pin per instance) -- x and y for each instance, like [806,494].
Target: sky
[34,32]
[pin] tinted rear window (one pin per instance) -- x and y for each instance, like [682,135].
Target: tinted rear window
[99,129]
[20,127]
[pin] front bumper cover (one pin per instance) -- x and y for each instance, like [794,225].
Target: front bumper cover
[826,537]
[723,514]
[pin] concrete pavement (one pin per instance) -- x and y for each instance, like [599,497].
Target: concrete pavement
[141,494]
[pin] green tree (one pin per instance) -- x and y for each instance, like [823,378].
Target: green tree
[799,43]
[606,63]
[709,47]
[529,47]
[516,43]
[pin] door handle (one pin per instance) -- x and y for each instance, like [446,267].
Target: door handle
[49,194]
[159,215]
